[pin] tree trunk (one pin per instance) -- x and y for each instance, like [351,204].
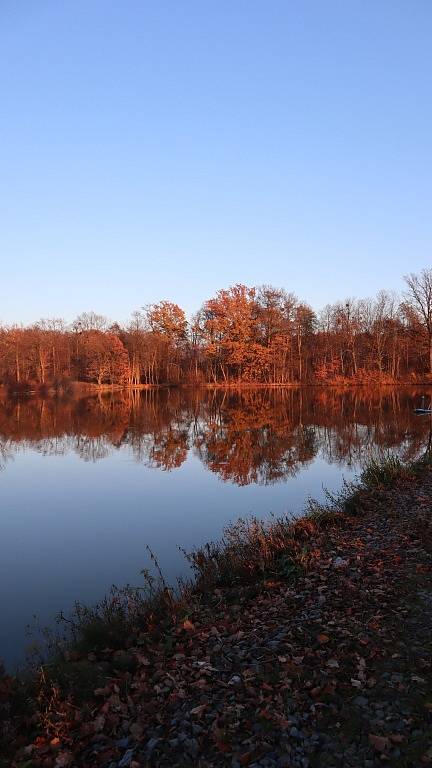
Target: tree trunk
[430,353]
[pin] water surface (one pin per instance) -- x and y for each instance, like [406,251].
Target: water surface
[87,483]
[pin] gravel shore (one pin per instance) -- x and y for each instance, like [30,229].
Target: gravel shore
[328,664]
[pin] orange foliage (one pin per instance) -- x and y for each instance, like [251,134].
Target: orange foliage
[242,335]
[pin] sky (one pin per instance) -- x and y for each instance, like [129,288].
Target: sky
[164,149]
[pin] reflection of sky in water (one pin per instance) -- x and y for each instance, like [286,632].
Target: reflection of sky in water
[71,528]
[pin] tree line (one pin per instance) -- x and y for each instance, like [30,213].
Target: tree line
[242,335]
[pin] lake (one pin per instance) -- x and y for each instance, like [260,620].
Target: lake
[87,483]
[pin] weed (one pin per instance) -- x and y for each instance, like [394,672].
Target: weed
[385,471]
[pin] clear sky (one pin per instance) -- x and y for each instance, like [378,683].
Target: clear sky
[162,149]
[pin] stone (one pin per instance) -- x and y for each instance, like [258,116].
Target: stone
[126,759]
[361,701]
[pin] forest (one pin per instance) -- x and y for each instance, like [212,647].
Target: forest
[241,336]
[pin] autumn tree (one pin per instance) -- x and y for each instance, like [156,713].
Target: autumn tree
[241,335]
[168,324]
[135,342]
[228,329]
[16,355]
[304,322]
[105,359]
[275,324]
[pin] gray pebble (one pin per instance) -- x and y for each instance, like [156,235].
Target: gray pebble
[192,747]
[361,701]
[126,759]
[122,743]
[151,744]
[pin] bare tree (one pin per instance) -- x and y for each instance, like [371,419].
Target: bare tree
[419,298]
[90,321]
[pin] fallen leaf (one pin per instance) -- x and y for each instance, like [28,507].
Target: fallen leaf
[223,746]
[381,743]
[396,738]
[136,730]
[188,625]
[198,710]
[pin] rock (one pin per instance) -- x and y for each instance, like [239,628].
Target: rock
[192,747]
[124,661]
[397,677]
[360,701]
[295,733]
[63,760]
[152,743]
[122,743]
[126,759]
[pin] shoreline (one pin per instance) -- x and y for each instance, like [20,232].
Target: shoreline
[83,389]
[250,633]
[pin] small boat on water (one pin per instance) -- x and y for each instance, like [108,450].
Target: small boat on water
[424,408]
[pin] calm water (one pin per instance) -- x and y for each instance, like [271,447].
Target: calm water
[85,484]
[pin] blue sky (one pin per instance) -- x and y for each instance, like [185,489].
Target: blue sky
[168,148]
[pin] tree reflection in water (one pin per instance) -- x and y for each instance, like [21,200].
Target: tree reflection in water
[245,436]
